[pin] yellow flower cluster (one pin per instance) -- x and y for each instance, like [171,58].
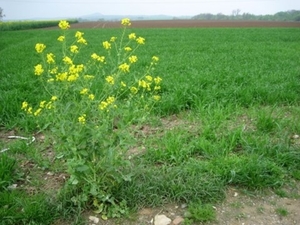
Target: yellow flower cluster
[50,58]
[110,80]
[80,39]
[43,105]
[133,59]
[148,84]
[126,22]
[124,67]
[82,119]
[38,69]
[61,38]
[105,104]
[139,40]
[85,91]
[98,58]
[40,47]
[106,45]
[74,49]
[64,25]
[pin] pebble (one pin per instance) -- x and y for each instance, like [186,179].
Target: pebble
[178,220]
[162,220]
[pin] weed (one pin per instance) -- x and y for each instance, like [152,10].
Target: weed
[282,211]
[7,167]
[199,212]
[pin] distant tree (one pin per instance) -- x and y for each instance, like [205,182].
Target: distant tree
[1,13]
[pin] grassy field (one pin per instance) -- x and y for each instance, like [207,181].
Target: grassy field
[229,115]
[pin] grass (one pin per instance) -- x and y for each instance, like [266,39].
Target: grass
[229,110]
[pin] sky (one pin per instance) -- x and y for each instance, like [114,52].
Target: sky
[60,9]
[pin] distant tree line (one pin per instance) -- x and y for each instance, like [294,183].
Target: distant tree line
[291,15]
[1,14]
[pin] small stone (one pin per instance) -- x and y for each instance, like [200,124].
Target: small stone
[235,194]
[295,136]
[183,206]
[94,219]
[162,220]
[178,220]
[12,187]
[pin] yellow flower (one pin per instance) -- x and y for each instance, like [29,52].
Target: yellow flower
[53,70]
[103,105]
[123,84]
[53,98]
[81,119]
[140,40]
[64,25]
[84,91]
[50,58]
[40,47]
[97,57]
[50,80]
[24,105]
[91,96]
[72,77]
[49,105]
[78,34]
[126,22]
[29,110]
[74,48]
[157,88]
[110,100]
[38,69]
[156,97]
[61,38]
[62,76]
[124,67]
[143,83]
[127,49]
[133,59]
[42,104]
[113,39]
[157,80]
[149,78]
[37,112]
[110,80]
[155,58]
[67,60]
[88,77]
[133,90]
[132,36]
[106,45]
[82,41]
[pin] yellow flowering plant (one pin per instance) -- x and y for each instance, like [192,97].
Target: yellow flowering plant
[91,103]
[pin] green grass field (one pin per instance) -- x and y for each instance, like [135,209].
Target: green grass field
[229,115]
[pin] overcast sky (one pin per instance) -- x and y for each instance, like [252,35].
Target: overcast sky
[31,9]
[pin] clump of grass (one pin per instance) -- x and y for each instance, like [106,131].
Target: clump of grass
[156,185]
[199,212]
[7,168]
[282,211]
[21,208]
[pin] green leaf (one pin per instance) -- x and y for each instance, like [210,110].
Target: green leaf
[82,168]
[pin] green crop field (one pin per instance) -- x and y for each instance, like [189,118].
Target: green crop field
[229,115]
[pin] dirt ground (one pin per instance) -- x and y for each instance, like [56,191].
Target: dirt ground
[184,24]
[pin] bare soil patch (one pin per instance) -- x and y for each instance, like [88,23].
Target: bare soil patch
[183,24]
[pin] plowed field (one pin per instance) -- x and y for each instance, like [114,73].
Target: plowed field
[185,24]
